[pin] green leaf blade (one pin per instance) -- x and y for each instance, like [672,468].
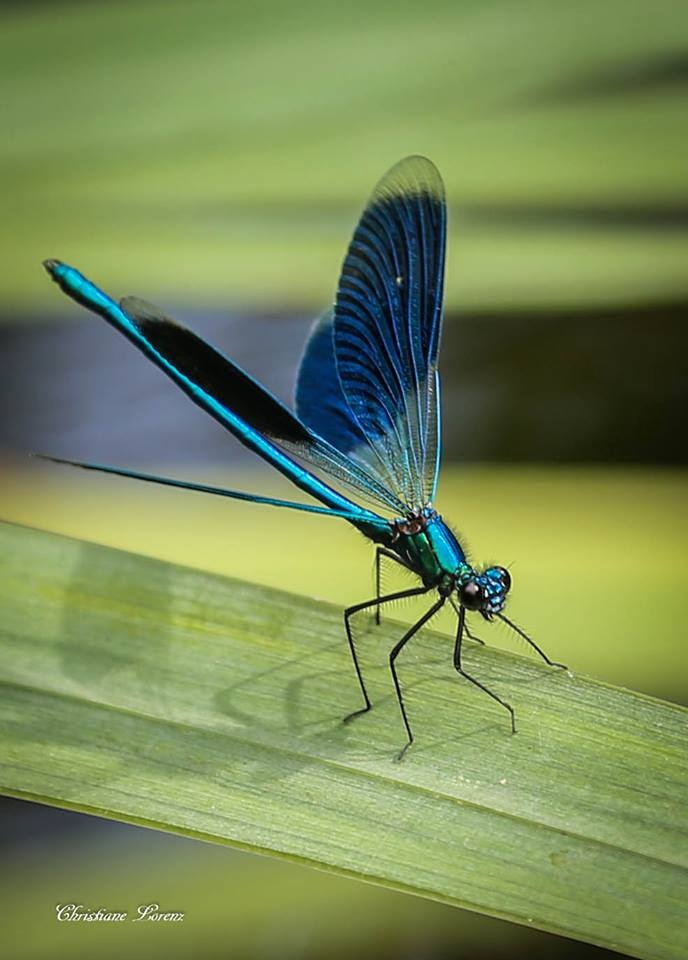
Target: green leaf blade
[209,707]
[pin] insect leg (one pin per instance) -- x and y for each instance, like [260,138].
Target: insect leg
[379,554]
[550,663]
[459,669]
[356,608]
[471,636]
[393,656]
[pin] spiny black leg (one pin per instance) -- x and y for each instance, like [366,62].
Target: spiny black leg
[459,669]
[379,554]
[471,636]
[393,656]
[550,663]
[378,557]
[348,613]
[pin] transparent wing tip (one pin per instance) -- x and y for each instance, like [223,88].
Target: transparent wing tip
[414,175]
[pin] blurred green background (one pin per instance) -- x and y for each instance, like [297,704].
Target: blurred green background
[216,150]
[214,157]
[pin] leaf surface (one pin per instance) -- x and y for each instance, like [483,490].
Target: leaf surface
[159,695]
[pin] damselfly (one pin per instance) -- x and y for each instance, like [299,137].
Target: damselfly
[367,407]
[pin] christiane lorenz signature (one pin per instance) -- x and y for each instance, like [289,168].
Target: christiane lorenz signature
[77,912]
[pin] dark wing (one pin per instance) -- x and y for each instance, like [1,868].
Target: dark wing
[368,382]
[226,392]
[320,400]
[250,411]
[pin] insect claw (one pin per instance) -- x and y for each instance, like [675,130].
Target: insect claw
[355,713]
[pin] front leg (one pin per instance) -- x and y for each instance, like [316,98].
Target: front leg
[533,644]
[467,632]
[472,636]
[356,608]
[458,666]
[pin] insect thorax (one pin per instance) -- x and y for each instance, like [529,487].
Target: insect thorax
[429,547]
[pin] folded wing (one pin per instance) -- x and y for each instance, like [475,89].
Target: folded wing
[226,392]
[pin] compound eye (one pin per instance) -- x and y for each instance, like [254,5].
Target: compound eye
[471,595]
[506,578]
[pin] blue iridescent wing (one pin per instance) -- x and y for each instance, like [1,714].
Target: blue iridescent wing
[228,394]
[320,401]
[321,404]
[368,382]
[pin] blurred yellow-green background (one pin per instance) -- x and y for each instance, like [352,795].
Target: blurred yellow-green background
[213,157]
